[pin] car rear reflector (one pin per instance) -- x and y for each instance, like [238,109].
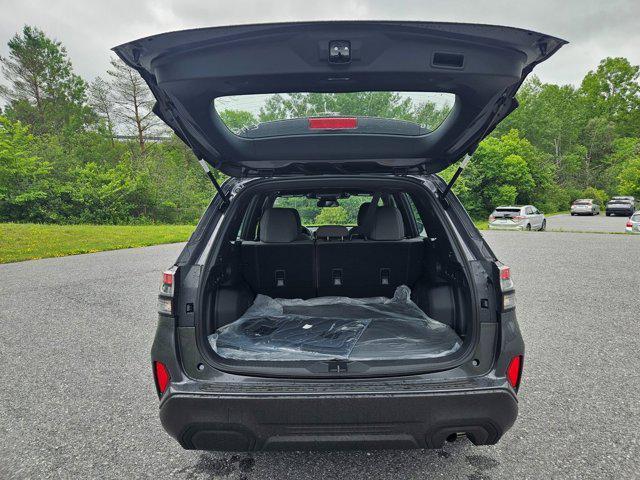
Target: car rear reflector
[333,123]
[514,371]
[161,376]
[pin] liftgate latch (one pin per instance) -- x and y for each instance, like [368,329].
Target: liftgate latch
[337,366]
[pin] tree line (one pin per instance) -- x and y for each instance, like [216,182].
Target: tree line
[63,158]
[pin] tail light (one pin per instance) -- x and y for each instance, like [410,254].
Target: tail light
[333,123]
[514,371]
[506,288]
[491,218]
[519,217]
[629,223]
[167,291]
[161,377]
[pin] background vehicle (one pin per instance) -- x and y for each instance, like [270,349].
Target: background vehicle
[621,206]
[250,251]
[585,206]
[633,224]
[526,217]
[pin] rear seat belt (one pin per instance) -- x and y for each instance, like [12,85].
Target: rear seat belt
[368,216]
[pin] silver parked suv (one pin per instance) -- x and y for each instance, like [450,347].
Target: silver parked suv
[526,217]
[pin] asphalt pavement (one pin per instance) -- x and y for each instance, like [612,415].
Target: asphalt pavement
[586,223]
[77,398]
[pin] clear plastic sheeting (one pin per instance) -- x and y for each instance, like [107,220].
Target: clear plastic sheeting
[364,329]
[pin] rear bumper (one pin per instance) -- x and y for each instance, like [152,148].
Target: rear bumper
[240,422]
[620,211]
[506,227]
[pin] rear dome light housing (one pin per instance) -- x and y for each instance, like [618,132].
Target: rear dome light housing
[514,371]
[161,377]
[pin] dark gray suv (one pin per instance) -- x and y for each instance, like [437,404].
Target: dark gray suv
[335,293]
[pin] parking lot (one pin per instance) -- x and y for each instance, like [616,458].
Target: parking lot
[78,399]
[598,223]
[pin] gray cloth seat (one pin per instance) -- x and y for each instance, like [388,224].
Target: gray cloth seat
[281,263]
[358,230]
[372,266]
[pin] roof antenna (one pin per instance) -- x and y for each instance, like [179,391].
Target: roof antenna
[207,170]
[461,167]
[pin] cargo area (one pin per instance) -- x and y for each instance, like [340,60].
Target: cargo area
[385,284]
[340,328]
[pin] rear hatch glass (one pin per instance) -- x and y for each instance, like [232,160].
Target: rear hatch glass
[262,115]
[505,213]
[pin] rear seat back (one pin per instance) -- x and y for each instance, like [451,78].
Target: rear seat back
[282,265]
[371,267]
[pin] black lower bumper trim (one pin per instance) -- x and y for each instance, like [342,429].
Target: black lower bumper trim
[246,423]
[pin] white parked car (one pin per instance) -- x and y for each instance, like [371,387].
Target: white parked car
[633,224]
[526,217]
[585,206]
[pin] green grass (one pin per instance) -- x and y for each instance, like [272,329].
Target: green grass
[27,241]
[482,224]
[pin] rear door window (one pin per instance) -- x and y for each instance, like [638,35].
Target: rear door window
[420,224]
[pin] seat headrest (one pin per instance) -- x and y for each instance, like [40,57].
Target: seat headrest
[387,224]
[279,225]
[332,231]
[362,211]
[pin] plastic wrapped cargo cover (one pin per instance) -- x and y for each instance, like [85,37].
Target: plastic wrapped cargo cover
[343,328]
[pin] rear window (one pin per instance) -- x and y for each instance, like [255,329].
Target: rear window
[582,202]
[312,215]
[243,113]
[507,210]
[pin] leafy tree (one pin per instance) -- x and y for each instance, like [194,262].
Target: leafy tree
[550,116]
[612,91]
[23,176]
[42,89]
[365,104]
[504,170]
[600,196]
[237,120]
[331,216]
[629,178]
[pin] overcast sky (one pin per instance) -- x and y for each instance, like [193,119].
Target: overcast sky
[595,29]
